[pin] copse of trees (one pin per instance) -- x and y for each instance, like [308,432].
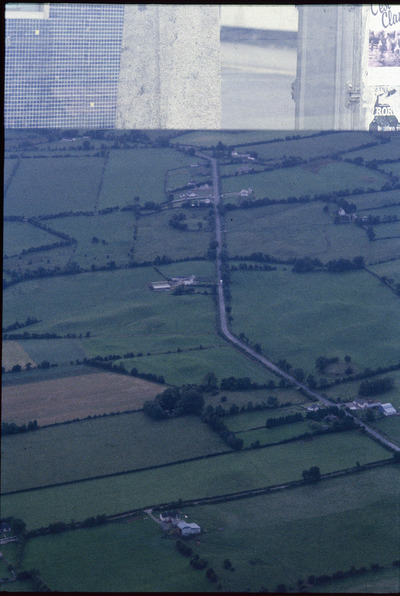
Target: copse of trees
[281,420]
[375,386]
[174,402]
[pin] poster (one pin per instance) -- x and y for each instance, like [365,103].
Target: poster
[382,91]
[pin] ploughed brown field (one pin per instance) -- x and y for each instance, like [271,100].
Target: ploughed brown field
[75,397]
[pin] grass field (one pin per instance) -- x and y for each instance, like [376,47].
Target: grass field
[49,185]
[68,398]
[139,172]
[312,147]
[215,476]
[384,582]
[18,236]
[349,391]
[114,232]
[375,199]
[35,375]
[302,316]
[123,557]
[231,138]
[13,353]
[393,168]
[60,351]
[295,231]
[383,151]
[181,176]
[255,418]
[49,259]
[284,537]
[240,398]
[156,237]
[312,179]
[94,447]
[389,269]
[389,426]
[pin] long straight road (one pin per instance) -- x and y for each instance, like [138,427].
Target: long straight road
[242,346]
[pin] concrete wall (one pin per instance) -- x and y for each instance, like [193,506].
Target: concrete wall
[170,67]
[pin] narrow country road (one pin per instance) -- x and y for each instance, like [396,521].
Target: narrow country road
[242,346]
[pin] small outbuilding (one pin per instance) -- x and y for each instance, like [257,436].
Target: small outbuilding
[387,409]
[188,529]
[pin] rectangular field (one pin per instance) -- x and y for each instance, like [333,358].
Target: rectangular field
[139,172]
[19,236]
[215,476]
[349,391]
[49,185]
[60,351]
[14,354]
[301,180]
[75,397]
[103,446]
[302,316]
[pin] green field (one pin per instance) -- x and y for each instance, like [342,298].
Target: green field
[19,236]
[114,232]
[138,172]
[49,185]
[60,351]
[284,537]
[123,557]
[202,478]
[231,138]
[389,426]
[95,447]
[389,150]
[181,176]
[242,398]
[48,259]
[392,168]
[312,147]
[389,269]
[295,231]
[315,178]
[349,391]
[388,230]
[43,374]
[255,418]
[370,200]
[302,316]
[157,238]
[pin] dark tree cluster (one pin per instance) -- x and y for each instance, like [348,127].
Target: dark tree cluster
[11,428]
[375,386]
[281,420]
[174,402]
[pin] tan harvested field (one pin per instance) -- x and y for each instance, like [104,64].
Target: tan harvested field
[13,353]
[75,397]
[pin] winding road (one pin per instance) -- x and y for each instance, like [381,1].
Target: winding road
[247,350]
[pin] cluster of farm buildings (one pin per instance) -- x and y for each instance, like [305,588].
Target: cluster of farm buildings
[169,284]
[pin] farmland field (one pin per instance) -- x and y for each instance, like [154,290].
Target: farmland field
[295,231]
[242,398]
[155,236]
[349,391]
[371,200]
[306,179]
[48,259]
[69,183]
[284,537]
[138,172]
[312,147]
[113,231]
[14,354]
[393,168]
[35,375]
[389,150]
[60,351]
[389,426]
[231,138]
[104,446]
[77,397]
[19,236]
[388,269]
[298,316]
[123,557]
[203,478]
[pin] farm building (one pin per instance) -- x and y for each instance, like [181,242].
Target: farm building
[185,281]
[387,409]
[159,285]
[188,529]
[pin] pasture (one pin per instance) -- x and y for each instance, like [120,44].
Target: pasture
[286,536]
[103,446]
[113,231]
[349,391]
[203,478]
[371,200]
[389,269]
[68,398]
[19,236]
[389,150]
[60,351]
[312,147]
[302,316]
[35,375]
[50,185]
[181,176]
[138,172]
[156,237]
[231,138]
[392,168]
[48,259]
[296,231]
[256,418]
[389,426]
[122,557]
[315,178]
[242,398]
[191,365]
[14,354]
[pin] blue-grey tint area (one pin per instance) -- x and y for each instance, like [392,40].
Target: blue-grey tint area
[62,71]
